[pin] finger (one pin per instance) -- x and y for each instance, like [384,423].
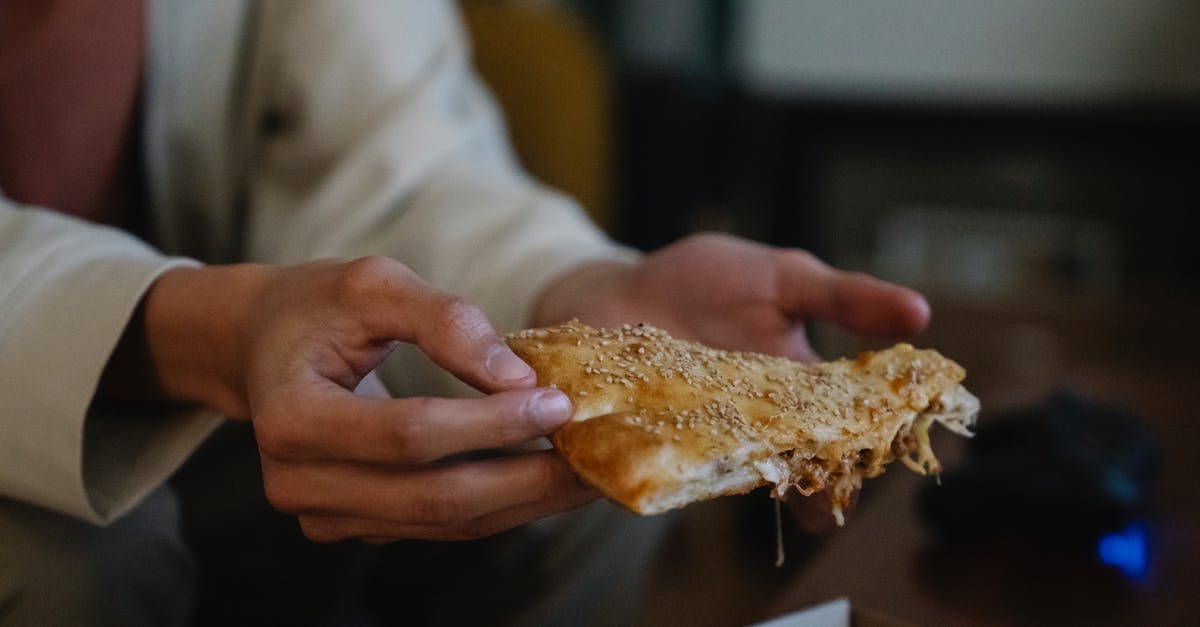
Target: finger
[444,496]
[332,529]
[396,304]
[341,426]
[859,302]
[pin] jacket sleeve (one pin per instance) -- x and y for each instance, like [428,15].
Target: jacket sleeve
[381,139]
[67,291]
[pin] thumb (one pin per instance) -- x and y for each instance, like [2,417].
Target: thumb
[455,334]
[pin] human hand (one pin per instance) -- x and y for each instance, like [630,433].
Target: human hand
[736,294]
[286,347]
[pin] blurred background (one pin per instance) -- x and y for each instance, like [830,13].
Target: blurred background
[1031,166]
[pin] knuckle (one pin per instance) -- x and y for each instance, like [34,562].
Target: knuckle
[364,276]
[274,435]
[516,422]
[272,442]
[801,258]
[480,529]
[706,238]
[454,317]
[548,478]
[441,510]
[320,529]
[408,435]
[708,241]
[281,494]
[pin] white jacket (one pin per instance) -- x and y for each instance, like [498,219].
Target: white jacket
[275,131]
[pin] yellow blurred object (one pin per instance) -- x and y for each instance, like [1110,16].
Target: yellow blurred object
[549,75]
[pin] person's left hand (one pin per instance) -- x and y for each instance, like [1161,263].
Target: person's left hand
[736,294]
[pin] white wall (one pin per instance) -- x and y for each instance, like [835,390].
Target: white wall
[990,51]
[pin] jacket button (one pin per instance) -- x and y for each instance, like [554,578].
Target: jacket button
[275,121]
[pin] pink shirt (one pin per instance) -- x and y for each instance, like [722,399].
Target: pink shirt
[70,78]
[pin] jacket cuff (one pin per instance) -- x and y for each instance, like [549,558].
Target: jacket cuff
[71,297]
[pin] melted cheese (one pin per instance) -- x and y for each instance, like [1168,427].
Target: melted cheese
[956,410]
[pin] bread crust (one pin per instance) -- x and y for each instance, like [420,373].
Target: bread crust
[661,422]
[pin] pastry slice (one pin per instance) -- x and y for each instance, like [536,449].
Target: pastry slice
[660,422]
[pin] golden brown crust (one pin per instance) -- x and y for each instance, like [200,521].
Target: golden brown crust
[660,422]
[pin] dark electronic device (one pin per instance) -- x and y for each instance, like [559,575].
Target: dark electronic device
[1067,472]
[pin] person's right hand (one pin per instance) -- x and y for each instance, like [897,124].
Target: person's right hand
[285,347]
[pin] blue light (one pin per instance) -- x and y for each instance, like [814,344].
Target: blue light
[1128,550]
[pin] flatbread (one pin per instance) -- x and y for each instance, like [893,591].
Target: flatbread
[660,423]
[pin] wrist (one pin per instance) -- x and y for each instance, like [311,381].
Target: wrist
[196,323]
[585,292]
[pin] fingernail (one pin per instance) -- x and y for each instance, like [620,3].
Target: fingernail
[504,365]
[550,409]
